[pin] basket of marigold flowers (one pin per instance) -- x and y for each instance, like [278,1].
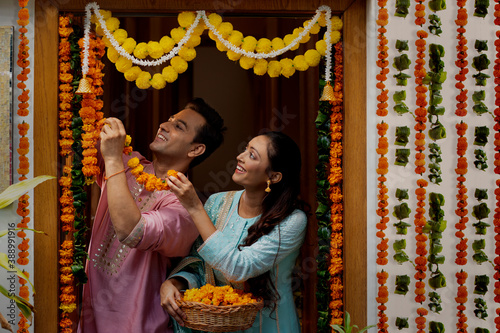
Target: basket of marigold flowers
[219,309]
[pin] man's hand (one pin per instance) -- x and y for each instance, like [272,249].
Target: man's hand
[112,140]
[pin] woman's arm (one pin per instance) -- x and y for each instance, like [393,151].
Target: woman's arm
[260,257]
[184,190]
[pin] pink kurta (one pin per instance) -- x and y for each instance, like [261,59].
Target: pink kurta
[123,290]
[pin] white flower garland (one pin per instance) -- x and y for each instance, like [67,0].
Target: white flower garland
[200,14]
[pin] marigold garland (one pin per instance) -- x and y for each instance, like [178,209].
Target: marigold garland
[496,218]
[420,118]
[91,107]
[67,297]
[462,165]
[383,165]
[336,265]
[247,50]
[23,170]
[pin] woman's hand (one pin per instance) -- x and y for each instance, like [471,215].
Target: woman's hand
[169,292]
[185,191]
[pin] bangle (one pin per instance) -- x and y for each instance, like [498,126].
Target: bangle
[106,178]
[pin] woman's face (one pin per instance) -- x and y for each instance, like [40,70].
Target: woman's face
[252,164]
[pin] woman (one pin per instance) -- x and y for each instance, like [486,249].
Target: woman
[251,238]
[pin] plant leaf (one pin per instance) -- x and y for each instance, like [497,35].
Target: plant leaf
[5,263]
[13,192]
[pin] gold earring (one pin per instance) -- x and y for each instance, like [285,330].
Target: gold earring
[268,189]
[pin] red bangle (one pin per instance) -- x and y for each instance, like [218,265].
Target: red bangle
[106,178]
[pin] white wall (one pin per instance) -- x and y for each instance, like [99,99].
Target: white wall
[8,17]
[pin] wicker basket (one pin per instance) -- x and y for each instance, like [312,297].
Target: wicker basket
[212,318]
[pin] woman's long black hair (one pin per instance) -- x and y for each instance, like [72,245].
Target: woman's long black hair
[284,156]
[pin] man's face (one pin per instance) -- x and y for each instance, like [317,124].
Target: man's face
[175,137]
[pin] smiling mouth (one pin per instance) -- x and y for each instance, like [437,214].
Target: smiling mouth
[240,169]
[161,137]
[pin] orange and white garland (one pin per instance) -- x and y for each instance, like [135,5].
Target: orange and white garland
[23,150]
[462,165]
[383,167]
[496,219]
[420,118]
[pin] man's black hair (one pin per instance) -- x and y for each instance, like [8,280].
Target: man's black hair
[211,134]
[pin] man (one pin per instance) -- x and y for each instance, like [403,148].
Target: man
[137,233]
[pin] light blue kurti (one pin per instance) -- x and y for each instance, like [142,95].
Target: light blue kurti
[276,252]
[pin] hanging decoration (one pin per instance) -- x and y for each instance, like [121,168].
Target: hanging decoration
[336,197]
[23,170]
[329,124]
[125,52]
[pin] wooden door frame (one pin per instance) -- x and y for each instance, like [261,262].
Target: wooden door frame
[46,135]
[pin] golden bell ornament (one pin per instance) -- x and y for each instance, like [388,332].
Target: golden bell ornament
[327,93]
[84,86]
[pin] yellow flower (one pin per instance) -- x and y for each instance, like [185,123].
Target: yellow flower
[112,24]
[236,38]
[169,74]
[185,19]
[158,82]
[132,73]
[187,53]
[120,36]
[113,54]
[123,64]
[296,33]
[141,50]
[287,68]
[274,68]
[321,47]
[143,80]
[314,29]
[289,39]
[277,43]
[167,43]
[215,19]
[106,14]
[300,64]
[335,36]
[225,29]
[249,44]
[128,140]
[129,45]
[312,57]
[221,47]
[233,55]
[322,20]
[133,162]
[247,63]
[106,41]
[155,50]
[194,41]
[264,45]
[68,308]
[180,65]
[336,23]
[199,28]
[177,34]
[260,67]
